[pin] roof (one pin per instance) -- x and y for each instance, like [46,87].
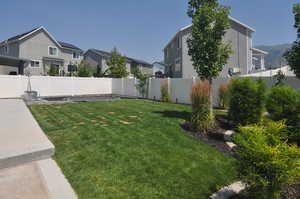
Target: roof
[11,61]
[21,35]
[28,33]
[67,45]
[231,18]
[139,61]
[160,63]
[259,51]
[108,54]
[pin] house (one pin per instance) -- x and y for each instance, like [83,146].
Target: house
[258,60]
[179,64]
[286,70]
[41,50]
[158,67]
[98,59]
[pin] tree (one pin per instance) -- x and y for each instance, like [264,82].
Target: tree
[84,69]
[141,85]
[206,47]
[293,55]
[117,65]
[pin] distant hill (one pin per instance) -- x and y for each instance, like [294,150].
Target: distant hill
[274,58]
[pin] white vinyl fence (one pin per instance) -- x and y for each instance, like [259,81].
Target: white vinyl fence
[15,86]
[180,89]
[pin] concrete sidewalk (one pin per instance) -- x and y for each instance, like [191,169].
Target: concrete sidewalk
[21,138]
[26,168]
[36,180]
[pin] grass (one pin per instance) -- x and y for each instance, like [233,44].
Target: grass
[132,149]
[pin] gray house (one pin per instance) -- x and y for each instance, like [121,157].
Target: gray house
[179,64]
[98,58]
[41,50]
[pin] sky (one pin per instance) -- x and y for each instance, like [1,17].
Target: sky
[138,28]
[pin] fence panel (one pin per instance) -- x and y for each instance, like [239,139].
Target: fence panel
[15,86]
[12,86]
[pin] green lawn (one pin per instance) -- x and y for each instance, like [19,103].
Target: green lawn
[132,149]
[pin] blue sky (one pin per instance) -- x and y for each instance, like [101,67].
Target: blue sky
[138,28]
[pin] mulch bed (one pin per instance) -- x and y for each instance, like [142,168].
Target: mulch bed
[215,135]
[290,192]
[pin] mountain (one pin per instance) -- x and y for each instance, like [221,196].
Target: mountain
[274,59]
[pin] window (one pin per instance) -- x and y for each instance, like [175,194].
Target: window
[76,55]
[178,65]
[178,42]
[53,51]
[35,64]
[72,68]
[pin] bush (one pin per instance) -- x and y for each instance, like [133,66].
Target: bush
[223,95]
[53,71]
[164,90]
[266,162]
[84,69]
[283,103]
[246,101]
[202,117]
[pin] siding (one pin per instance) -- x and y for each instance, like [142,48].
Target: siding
[36,47]
[241,58]
[13,50]
[94,59]
[174,54]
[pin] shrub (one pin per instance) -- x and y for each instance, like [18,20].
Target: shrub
[53,71]
[283,103]
[202,117]
[164,90]
[223,95]
[266,161]
[84,69]
[246,101]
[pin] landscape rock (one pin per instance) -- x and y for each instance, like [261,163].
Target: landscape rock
[231,145]
[228,135]
[229,191]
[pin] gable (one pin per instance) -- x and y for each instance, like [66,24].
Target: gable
[36,45]
[40,37]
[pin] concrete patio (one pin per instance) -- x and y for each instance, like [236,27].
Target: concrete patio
[26,168]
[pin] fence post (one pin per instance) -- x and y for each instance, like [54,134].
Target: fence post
[122,91]
[135,88]
[169,87]
[73,87]
[194,79]
[149,88]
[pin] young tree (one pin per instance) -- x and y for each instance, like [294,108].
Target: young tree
[293,55]
[206,47]
[84,69]
[142,81]
[117,65]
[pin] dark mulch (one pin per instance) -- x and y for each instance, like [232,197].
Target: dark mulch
[290,192]
[215,136]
